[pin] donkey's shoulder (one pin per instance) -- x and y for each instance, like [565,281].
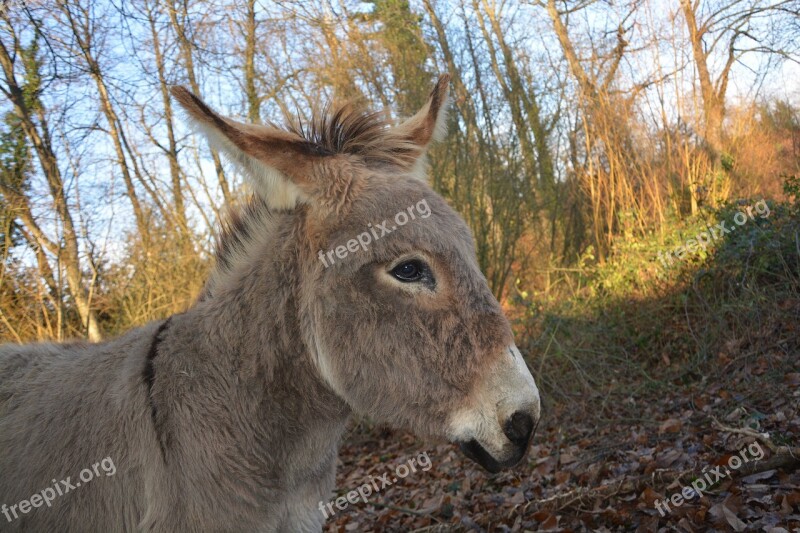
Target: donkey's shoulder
[20,360]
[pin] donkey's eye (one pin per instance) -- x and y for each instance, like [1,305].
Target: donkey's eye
[410,271]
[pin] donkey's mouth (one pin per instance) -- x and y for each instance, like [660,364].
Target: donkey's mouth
[478,453]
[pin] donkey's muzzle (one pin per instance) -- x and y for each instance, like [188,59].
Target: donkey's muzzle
[496,429]
[519,429]
[473,450]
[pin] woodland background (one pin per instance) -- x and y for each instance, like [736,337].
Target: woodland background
[585,138]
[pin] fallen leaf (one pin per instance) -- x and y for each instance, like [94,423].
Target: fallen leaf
[671,425]
[561,477]
[721,514]
[760,476]
[649,496]
[733,520]
[518,498]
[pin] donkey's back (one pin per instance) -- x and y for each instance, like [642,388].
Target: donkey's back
[74,434]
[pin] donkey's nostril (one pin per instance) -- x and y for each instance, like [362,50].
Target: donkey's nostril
[519,427]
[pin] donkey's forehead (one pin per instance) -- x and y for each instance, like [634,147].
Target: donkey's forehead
[402,210]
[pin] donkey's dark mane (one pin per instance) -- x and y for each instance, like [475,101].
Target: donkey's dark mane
[352,129]
[236,229]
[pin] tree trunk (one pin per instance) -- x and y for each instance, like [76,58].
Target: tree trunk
[251,93]
[69,251]
[172,147]
[83,38]
[185,47]
[713,105]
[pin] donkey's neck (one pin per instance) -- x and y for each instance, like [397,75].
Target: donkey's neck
[248,405]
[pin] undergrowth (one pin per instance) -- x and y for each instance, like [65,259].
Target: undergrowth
[638,326]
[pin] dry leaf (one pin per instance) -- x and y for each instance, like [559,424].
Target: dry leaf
[671,425]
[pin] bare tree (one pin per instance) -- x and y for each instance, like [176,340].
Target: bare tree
[171,149]
[180,19]
[80,21]
[32,116]
[731,30]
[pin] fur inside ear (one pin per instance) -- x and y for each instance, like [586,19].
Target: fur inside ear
[428,125]
[272,186]
[438,105]
[262,154]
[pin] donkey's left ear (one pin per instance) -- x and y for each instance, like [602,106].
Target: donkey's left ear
[430,122]
[278,164]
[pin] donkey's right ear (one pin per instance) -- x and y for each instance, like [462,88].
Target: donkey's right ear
[277,163]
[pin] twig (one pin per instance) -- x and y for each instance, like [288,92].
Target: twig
[577,496]
[403,509]
[435,528]
[783,458]
[749,432]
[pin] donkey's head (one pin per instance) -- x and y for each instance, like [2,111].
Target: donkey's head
[395,314]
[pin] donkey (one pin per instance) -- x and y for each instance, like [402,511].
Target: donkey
[228,417]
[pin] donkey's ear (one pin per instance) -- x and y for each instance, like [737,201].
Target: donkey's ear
[277,163]
[430,122]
